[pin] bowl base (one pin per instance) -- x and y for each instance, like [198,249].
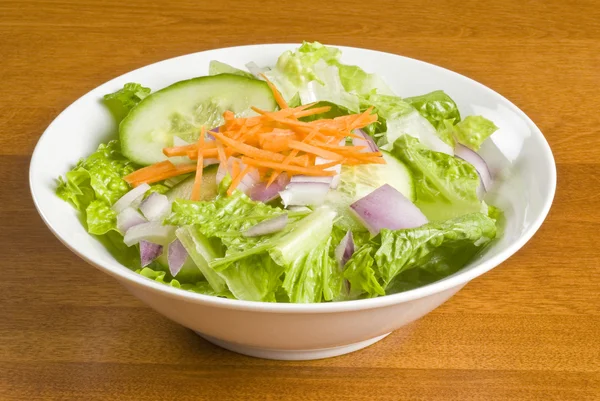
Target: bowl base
[292,355]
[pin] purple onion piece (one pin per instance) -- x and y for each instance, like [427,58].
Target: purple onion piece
[129,217]
[266,227]
[260,192]
[304,193]
[149,251]
[367,141]
[130,197]
[472,157]
[155,206]
[153,231]
[176,256]
[386,207]
[344,250]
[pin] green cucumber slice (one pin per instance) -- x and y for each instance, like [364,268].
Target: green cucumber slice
[183,108]
[358,181]
[209,190]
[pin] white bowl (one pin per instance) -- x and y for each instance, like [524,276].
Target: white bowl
[517,153]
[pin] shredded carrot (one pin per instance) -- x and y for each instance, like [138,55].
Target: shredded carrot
[174,172]
[293,169]
[238,178]
[276,94]
[270,144]
[326,154]
[312,112]
[149,171]
[196,189]
[249,150]
[235,168]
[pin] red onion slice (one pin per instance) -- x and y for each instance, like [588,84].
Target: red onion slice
[149,252]
[176,256]
[472,157]
[130,197]
[304,193]
[387,208]
[129,217]
[260,192]
[270,226]
[153,231]
[155,206]
[367,141]
[345,250]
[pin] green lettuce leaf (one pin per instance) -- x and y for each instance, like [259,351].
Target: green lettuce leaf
[315,73]
[436,107]
[314,276]
[359,271]
[200,287]
[100,218]
[446,186]
[440,248]
[125,99]
[216,67]
[251,268]
[100,176]
[473,130]
[400,260]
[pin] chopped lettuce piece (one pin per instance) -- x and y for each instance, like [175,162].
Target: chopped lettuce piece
[200,287]
[361,275]
[314,276]
[445,186]
[315,73]
[100,218]
[125,99]
[216,67]
[436,107]
[440,248]
[473,130]
[437,250]
[100,176]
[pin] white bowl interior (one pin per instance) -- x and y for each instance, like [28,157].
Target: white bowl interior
[517,153]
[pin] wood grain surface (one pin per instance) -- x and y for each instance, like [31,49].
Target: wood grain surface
[528,330]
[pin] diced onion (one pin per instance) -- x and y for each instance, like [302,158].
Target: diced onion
[387,208]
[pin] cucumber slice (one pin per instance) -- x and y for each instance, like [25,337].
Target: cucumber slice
[359,181]
[183,108]
[209,190]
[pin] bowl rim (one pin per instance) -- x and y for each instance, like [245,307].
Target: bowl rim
[128,277]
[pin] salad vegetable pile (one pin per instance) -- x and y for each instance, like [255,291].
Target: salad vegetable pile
[309,181]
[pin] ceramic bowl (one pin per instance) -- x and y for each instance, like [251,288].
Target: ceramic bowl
[518,155]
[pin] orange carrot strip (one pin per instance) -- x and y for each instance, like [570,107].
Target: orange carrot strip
[206,153]
[276,94]
[293,169]
[181,169]
[222,156]
[326,154]
[238,178]
[149,171]
[248,150]
[312,112]
[235,169]
[183,150]
[199,168]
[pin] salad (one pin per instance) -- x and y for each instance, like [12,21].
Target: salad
[307,181]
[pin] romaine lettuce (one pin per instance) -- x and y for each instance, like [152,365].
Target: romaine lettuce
[446,186]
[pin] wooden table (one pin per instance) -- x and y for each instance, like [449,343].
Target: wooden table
[528,330]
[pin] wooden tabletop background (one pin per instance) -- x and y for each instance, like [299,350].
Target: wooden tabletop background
[528,330]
